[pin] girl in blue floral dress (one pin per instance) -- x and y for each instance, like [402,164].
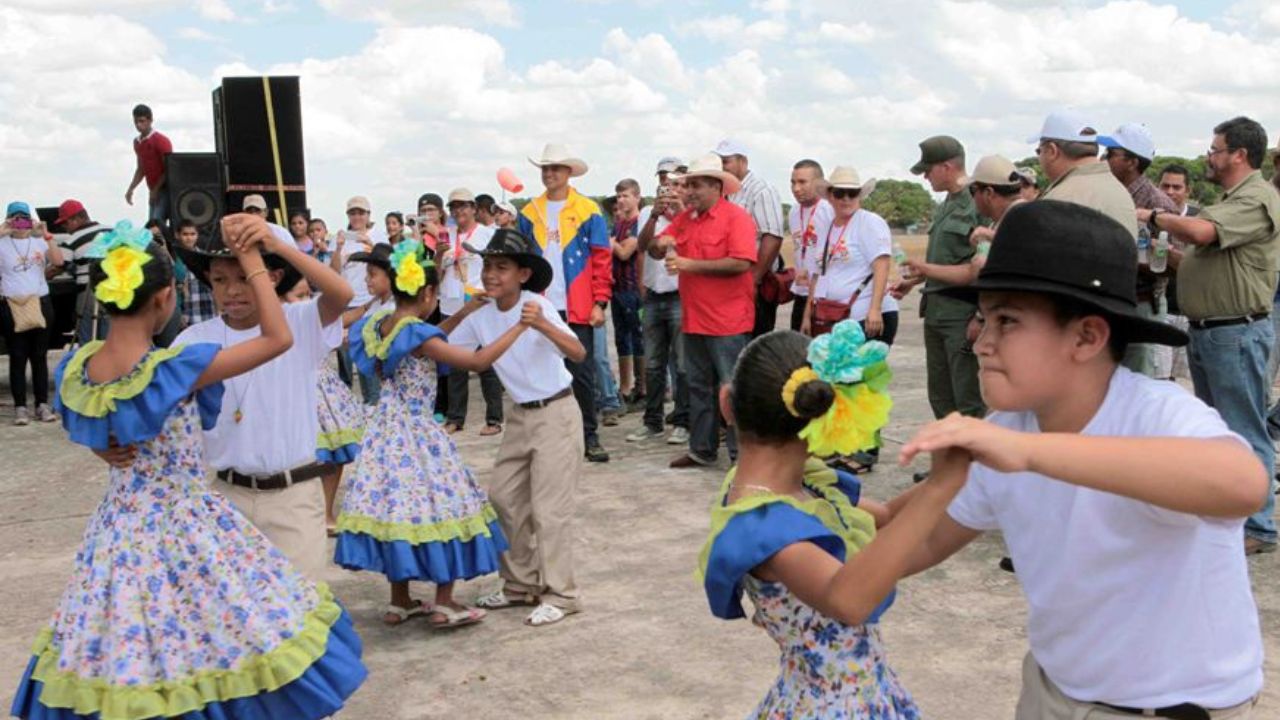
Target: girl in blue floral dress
[177,606]
[796,537]
[413,511]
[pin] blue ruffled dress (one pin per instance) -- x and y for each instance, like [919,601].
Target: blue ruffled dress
[177,606]
[412,510]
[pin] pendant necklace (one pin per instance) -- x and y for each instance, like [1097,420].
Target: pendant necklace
[238,397]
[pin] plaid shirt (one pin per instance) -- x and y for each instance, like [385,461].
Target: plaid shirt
[197,301]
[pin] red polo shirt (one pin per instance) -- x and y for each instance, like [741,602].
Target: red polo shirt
[716,305]
[151,151]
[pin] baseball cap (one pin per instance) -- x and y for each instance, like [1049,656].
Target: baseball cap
[17,208]
[936,149]
[1027,175]
[668,164]
[67,210]
[461,195]
[254,201]
[359,202]
[506,207]
[1066,125]
[1134,137]
[729,147]
[995,170]
[430,199]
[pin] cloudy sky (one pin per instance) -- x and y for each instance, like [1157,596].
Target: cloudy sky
[404,96]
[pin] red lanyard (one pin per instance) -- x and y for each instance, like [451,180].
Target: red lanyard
[826,248]
[458,250]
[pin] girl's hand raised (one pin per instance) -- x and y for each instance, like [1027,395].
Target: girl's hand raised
[996,447]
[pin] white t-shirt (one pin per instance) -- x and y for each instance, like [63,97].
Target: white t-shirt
[557,293]
[804,223]
[22,266]
[354,272]
[460,267]
[1129,604]
[278,423]
[850,250]
[656,277]
[283,233]
[533,369]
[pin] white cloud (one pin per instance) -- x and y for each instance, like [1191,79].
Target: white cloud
[217,10]
[414,12]
[853,33]
[650,56]
[734,30]
[195,33]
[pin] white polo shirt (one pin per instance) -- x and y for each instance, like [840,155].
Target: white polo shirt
[656,277]
[278,424]
[533,368]
[1128,603]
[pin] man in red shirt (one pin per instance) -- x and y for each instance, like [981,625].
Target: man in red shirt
[151,147]
[712,245]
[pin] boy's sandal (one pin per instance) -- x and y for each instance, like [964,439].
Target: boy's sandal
[403,614]
[454,618]
[544,614]
[498,600]
[490,429]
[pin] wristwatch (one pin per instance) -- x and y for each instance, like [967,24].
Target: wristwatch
[1151,221]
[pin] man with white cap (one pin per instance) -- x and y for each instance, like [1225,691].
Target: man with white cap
[572,235]
[257,205]
[1129,153]
[504,215]
[712,247]
[1067,146]
[763,203]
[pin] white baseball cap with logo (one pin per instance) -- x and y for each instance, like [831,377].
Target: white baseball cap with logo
[1134,137]
[730,147]
[1068,126]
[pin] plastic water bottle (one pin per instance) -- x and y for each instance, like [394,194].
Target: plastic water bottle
[1144,246]
[1160,253]
[984,247]
[900,259]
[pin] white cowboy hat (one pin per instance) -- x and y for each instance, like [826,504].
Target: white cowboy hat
[557,154]
[709,166]
[846,178]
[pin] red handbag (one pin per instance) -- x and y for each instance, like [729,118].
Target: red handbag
[775,287]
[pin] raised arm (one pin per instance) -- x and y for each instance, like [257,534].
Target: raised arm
[440,350]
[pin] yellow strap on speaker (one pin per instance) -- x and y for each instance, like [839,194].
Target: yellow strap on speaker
[275,150]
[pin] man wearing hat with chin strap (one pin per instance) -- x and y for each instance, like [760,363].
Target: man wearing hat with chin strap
[951,366]
[1129,153]
[574,238]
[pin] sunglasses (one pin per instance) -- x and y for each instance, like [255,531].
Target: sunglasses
[844,193]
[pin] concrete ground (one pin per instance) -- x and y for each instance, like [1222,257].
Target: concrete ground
[646,647]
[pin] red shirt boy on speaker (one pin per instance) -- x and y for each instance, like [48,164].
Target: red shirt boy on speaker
[151,147]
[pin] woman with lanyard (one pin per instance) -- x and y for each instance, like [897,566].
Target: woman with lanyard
[28,255]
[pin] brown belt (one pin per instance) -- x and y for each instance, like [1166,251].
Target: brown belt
[277,481]
[538,404]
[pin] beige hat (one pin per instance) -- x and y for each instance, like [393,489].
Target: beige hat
[505,207]
[254,201]
[709,165]
[844,177]
[557,154]
[359,202]
[995,170]
[461,195]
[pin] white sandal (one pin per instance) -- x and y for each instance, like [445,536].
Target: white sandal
[402,614]
[455,618]
[544,614]
[499,600]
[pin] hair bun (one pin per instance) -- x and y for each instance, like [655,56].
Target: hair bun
[814,398]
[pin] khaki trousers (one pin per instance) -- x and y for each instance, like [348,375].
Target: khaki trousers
[533,490]
[1042,700]
[292,519]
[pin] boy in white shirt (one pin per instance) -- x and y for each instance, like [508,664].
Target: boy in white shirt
[1121,498]
[535,477]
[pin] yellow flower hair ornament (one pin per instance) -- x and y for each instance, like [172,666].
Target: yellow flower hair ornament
[409,263]
[122,252]
[859,375]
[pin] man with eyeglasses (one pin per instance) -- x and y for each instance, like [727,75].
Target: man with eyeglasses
[1226,288]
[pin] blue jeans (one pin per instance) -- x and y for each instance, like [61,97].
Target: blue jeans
[664,349]
[1229,370]
[159,210]
[709,361]
[607,399]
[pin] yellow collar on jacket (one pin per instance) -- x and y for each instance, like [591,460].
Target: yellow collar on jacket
[578,208]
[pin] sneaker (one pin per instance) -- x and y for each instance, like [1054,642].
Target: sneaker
[45,414]
[644,433]
[596,454]
[21,416]
[678,436]
[609,418]
[635,401]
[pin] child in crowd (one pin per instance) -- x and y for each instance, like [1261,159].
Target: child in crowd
[1121,498]
[798,539]
[535,477]
[177,605]
[413,511]
[377,280]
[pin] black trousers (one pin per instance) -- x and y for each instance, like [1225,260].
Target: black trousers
[28,348]
[584,381]
[766,316]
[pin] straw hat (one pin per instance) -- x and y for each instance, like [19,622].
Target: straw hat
[846,178]
[709,165]
[557,154]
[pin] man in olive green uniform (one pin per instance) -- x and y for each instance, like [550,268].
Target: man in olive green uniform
[952,367]
[1226,284]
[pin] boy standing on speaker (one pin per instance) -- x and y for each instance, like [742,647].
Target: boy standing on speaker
[151,147]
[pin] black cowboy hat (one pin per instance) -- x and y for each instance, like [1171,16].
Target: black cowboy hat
[210,248]
[379,256]
[513,244]
[1072,251]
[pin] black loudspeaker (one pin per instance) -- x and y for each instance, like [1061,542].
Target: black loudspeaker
[260,142]
[194,182]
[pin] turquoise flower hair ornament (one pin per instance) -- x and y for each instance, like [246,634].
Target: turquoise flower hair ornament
[857,372]
[122,253]
[409,263]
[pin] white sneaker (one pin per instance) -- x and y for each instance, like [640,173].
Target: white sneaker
[21,416]
[643,434]
[678,436]
[544,614]
[45,414]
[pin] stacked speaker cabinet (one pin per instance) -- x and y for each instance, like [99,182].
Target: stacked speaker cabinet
[257,124]
[194,182]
